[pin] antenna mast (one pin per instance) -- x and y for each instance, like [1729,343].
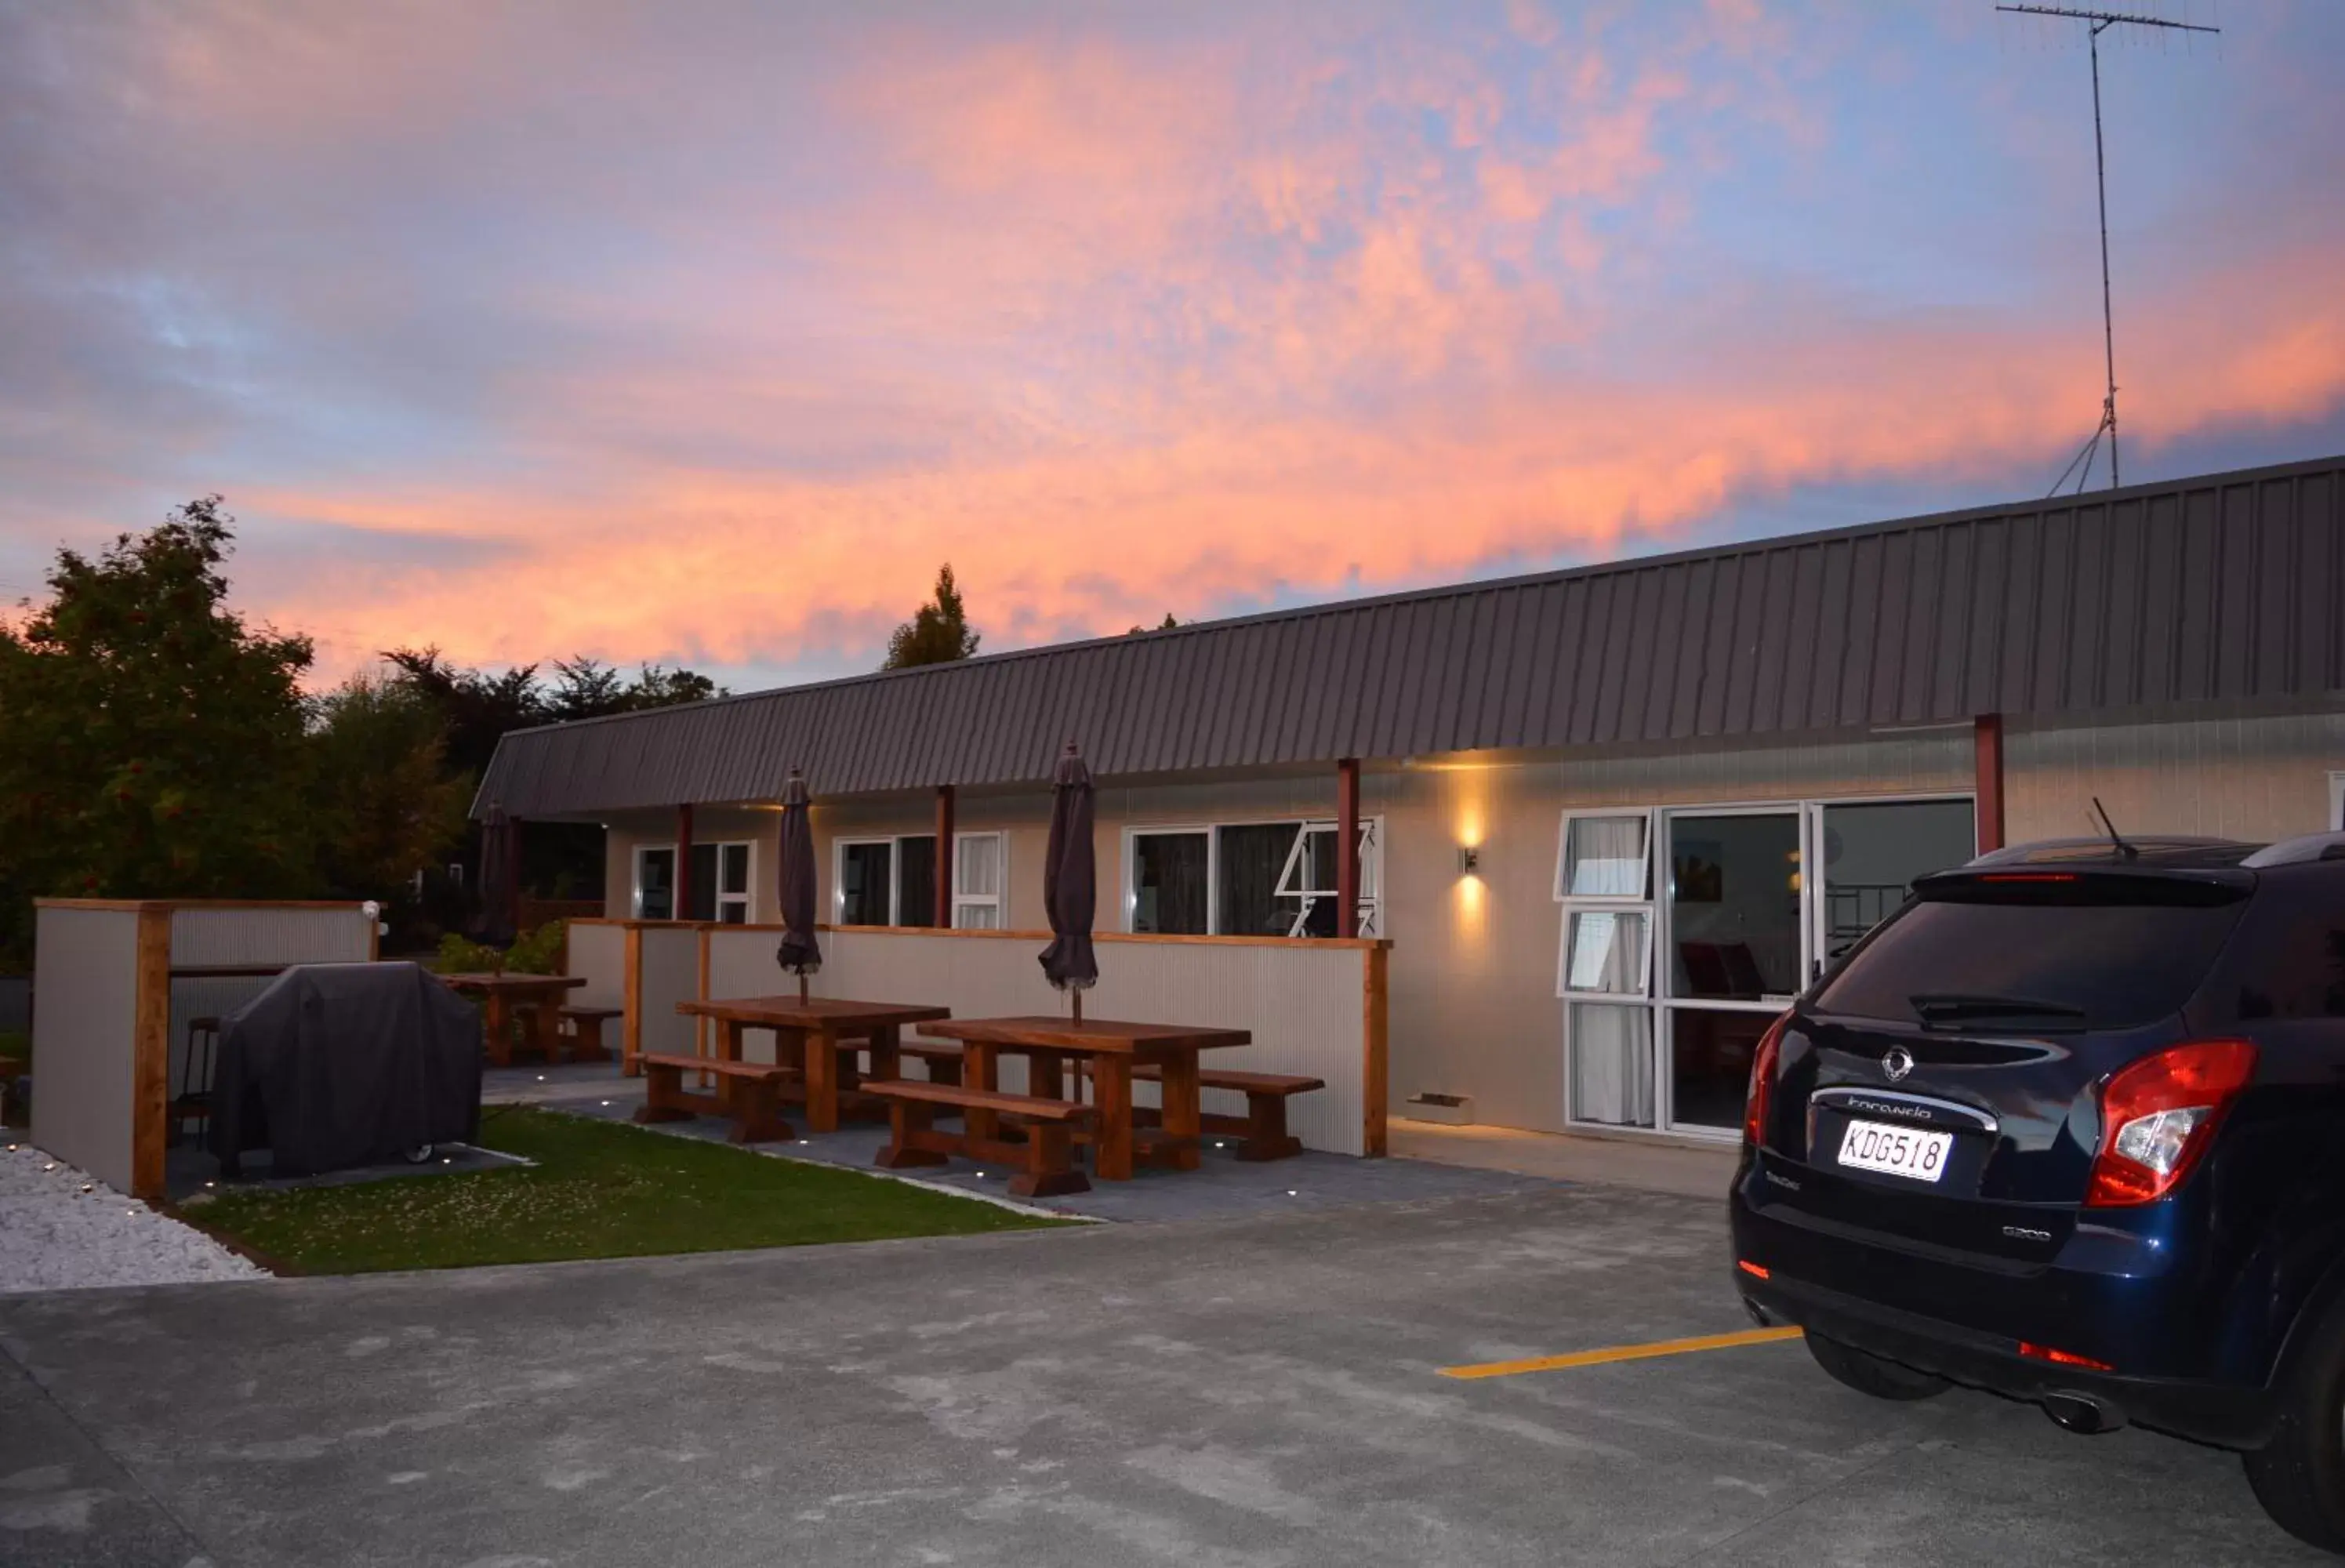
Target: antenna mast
[2097,22]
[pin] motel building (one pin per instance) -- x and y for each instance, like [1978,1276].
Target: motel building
[1608,820]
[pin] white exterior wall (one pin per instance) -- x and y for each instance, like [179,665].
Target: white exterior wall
[1473,964]
[2252,777]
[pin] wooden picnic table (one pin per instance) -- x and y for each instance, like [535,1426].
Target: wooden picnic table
[536,996]
[809,1034]
[1112,1048]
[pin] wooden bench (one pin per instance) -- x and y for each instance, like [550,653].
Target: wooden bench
[749,1094]
[584,1029]
[943,1059]
[1261,1132]
[1046,1159]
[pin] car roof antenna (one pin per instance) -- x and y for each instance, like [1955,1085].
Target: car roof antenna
[2128,850]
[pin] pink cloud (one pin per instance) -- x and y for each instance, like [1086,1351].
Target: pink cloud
[1117,325]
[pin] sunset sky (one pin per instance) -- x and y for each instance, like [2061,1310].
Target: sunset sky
[703,331]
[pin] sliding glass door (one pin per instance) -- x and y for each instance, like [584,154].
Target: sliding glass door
[1686,931]
[1736,952]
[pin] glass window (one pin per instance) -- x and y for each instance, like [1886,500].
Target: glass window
[1710,1064]
[733,884]
[916,881]
[1872,855]
[1611,1063]
[1249,860]
[977,881]
[1734,906]
[702,894]
[1167,883]
[865,881]
[1607,951]
[1308,884]
[655,884]
[1603,857]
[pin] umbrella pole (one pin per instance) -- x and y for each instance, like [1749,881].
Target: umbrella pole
[802,988]
[1078,995]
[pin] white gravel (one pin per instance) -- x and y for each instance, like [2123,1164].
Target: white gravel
[62,1230]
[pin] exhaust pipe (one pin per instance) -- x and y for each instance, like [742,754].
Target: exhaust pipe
[2083,1415]
[1758,1313]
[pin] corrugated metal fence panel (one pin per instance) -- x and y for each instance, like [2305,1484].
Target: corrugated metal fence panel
[1303,1003]
[2224,587]
[598,952]
[85,974]
[265,935]
[671,974]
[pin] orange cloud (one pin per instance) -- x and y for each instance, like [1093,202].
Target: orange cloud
[1271,307]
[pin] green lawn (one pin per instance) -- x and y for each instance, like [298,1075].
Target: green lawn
[599,1190]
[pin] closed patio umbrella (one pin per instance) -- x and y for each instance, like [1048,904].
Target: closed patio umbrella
[1070,880]
[800,953]
[500,879]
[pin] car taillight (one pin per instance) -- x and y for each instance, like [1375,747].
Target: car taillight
[2158,1116]
[1762,1082]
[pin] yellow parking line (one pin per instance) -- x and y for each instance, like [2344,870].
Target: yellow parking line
[1621,1353]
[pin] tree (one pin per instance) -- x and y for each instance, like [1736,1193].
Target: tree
[938,631]
[586,688]
[156,746]
[385,803]
[1167,625]
[477,708]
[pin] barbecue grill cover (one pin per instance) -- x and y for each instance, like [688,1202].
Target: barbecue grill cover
[343,1065]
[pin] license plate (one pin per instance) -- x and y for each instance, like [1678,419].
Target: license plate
[1903,1151]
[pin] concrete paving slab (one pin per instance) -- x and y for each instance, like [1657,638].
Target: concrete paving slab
[1652,1165]
[1223,1187]
[1260,1392]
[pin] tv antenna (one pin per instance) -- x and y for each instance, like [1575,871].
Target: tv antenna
[2098,23]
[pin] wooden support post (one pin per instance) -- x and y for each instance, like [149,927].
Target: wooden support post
[680,890]
[1989,810]
[1347,847]
[150,1069]
[631,1018]
[945,859]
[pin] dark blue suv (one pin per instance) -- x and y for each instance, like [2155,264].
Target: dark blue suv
[2070,1127]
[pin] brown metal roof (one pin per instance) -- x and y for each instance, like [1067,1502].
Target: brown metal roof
[2222,587]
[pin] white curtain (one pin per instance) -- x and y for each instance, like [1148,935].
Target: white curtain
[977,882]
[1605,858]
[1606,952]
[1612,1063]
[977,867]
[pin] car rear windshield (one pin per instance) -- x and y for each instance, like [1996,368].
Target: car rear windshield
[2070,956]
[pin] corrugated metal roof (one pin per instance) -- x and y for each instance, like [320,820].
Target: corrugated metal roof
[2223,587]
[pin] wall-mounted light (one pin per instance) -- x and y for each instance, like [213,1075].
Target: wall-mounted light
[1469,859]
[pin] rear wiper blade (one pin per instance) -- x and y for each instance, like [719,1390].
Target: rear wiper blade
[1962,1005]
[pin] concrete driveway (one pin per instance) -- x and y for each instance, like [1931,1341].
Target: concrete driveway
[1252,1391]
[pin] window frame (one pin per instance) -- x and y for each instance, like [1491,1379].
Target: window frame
[1808,810]
[999,900]
[746,898]
[1372,907]
[895,843]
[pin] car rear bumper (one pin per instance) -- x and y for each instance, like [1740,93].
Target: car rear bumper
[2226,1415]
